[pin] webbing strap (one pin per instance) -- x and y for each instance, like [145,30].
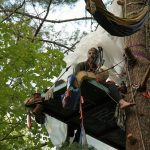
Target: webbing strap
[29,124]
[83,139]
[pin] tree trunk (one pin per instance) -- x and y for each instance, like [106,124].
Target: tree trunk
[138,116]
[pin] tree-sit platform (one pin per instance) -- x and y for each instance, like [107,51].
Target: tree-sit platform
[98,113]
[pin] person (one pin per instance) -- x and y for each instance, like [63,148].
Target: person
[90,65]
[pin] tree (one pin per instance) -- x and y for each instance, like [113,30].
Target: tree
[138,117]
[74,146]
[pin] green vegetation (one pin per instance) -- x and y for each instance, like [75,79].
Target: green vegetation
[24,65]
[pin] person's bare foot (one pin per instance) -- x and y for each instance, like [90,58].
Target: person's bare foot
[124,104]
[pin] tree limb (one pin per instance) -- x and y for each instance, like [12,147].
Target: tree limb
[56,43]
[39,146]
[40,26]
[46,20]
[52,42]
[13,12]
[13,137]
[70,49]
[11,130]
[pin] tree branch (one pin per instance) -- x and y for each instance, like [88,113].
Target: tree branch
[59,44]
[40,26]
[14,137]
[13,12]
[52,42]
[51,21]
[39,146]
[11,130]
[70,49]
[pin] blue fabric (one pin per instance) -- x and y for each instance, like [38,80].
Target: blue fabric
[116,29]
[73,101]
[70,81]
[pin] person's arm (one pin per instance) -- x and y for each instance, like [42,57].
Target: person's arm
[79,67]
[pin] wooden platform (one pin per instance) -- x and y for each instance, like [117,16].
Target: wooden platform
[98,112]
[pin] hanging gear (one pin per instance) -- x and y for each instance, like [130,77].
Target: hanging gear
[116,26]
[101,60]
[29,124]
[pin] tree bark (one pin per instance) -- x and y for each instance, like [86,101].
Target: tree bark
[138,116]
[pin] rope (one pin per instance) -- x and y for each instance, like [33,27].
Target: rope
[138,52]
[111,97]
[133,94]
[136,45]
[113,66]
[61,75]
[141,54]
[100,58]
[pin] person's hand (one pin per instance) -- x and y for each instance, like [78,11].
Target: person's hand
[49,94]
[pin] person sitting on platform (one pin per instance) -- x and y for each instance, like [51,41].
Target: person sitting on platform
[90,66]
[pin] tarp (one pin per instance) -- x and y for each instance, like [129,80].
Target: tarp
[116,26]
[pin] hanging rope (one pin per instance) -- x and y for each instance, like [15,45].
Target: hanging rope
[113,66]
[133,95]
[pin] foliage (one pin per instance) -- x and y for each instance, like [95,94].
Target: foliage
[74,146]
[23,66]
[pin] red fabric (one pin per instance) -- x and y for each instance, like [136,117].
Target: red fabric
[81,112]
[66,97]
[147,94]
[29,124]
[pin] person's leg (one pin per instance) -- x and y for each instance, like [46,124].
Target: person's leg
[117,96]
[114,92]
[124,104]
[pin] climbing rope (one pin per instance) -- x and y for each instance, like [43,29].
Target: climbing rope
[133,95]
[113,66]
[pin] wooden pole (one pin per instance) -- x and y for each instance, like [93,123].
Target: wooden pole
[138,117]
